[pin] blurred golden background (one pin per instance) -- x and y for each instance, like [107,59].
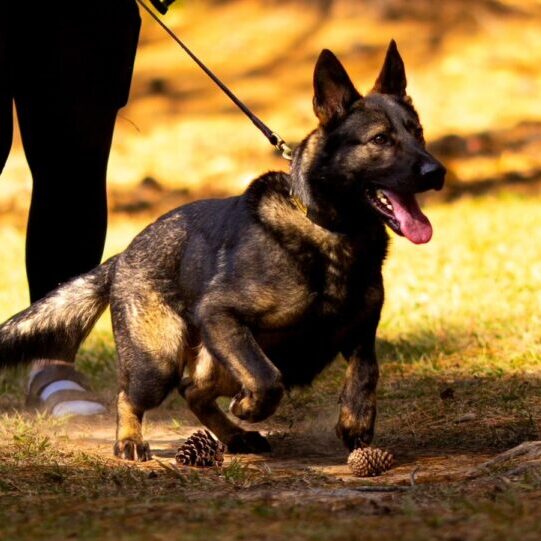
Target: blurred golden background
[473,70]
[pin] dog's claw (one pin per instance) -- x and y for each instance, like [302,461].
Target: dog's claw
[132,450]
[248,443]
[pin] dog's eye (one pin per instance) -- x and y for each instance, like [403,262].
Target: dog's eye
[380,139]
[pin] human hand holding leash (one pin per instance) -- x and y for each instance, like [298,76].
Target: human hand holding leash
[162,5]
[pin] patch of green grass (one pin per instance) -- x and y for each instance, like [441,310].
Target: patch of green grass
[236,472]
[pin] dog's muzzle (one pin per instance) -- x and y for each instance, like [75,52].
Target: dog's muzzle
[431,175]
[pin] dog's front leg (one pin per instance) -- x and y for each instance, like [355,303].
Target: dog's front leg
[358,399]
[234,345]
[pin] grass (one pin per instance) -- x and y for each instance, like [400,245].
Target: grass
[461,316]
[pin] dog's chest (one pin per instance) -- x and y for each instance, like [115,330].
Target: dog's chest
[340,273]
[314,324]
[329,286]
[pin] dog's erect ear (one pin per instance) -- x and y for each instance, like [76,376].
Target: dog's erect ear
[334,92]
[392,78]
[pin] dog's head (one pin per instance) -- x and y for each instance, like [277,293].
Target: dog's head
[371,148]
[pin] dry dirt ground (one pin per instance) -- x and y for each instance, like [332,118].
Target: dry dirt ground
[473,71]
[58,480]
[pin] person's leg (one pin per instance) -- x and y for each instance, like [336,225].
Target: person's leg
[67,152]
[72,67]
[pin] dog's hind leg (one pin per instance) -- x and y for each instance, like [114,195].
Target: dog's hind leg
[149,336]
[129,431]
[207,381]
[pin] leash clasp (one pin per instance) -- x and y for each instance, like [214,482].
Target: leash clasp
[282,146]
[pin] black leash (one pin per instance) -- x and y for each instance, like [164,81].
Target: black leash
[274,139]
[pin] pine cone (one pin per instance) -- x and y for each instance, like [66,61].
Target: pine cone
[369,461]
[201,449]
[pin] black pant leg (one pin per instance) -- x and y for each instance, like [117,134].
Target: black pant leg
[67,151]
[72,65]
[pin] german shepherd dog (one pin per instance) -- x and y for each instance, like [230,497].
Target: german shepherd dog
[246,296]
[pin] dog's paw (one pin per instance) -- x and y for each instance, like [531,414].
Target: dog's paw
[255,407]
[353,439]
[356,430]
[132,450]
[248,443]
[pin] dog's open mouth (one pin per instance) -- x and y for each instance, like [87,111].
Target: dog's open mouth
[402,213]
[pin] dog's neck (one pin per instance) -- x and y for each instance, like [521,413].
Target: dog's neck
[334,212]
[301,191]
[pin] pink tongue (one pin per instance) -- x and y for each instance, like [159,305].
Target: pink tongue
[413,223]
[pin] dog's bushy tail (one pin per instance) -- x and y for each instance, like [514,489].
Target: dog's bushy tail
[55,326]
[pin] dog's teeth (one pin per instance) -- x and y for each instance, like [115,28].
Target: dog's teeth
[381,199]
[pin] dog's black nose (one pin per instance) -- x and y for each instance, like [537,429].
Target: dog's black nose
[432,175]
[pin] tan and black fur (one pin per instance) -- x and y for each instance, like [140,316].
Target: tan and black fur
[246,296]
